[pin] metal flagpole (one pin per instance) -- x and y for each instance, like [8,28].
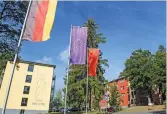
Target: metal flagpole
[67,73]
[14,62]
[87,86]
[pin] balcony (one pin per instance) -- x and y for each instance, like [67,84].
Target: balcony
[53,87]
[53,78]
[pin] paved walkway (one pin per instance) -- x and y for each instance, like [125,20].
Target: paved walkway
[155,112]
[158,109]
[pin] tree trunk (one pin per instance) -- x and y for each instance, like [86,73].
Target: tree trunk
[90,98]
[160,94]
[150,96]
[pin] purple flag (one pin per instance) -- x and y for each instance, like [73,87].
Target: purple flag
[78,45]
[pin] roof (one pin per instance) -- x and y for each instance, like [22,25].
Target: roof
[37,63]
[119,78]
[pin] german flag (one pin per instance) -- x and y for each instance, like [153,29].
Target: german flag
[40,20]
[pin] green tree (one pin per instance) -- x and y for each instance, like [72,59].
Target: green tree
[58,100]
[78,73]
[146,70]
[12,15]
[114,98]
[159,69]
[138,70]
[76,87]
[96,84]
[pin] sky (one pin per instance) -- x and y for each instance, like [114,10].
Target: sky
[128,26]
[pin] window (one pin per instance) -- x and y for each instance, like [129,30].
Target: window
[134,101]
[22,111]
[128,96]
[121,81]
[28,78]
[24,101]
[132,94]
[131,101]
[26,89]
[122,102]
[123,94]
[122,87]
[30,68]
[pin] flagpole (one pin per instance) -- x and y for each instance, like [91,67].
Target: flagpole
[87,85]
[68,72]
[15,59]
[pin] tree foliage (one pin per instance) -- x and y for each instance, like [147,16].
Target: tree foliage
[137,69]
[78,73]
[114,99]
[58,100]
[12,15]
[145,70]
[159,69]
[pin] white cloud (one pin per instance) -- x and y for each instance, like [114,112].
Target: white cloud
[64,55]
[46,59]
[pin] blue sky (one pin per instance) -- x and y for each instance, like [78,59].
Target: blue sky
[126,25]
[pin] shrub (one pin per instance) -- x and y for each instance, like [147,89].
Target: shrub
[164,103]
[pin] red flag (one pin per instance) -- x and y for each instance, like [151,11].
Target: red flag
[93,56]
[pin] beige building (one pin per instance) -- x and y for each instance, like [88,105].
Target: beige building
[31,88]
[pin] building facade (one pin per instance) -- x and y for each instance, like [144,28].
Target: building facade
[122,86]
[133,97]
[31,88]
[123,89]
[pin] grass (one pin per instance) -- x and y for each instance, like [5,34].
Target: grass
[132,109]
[144,108]
[78,113]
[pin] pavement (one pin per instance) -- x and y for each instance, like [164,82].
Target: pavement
[157,109]
[153,112]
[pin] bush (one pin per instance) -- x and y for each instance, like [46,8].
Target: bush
[115,99]
[164,103]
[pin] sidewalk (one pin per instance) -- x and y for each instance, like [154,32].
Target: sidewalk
[155,112]
[158,109]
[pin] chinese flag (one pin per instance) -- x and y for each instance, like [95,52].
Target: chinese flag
[93,56]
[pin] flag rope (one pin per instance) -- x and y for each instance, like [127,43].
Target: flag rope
[15,59]
[67,72]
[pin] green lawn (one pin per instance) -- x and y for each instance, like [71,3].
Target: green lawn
[77,113]
[132,109]
[144,108]
[68,113]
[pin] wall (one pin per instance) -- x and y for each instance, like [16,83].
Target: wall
[122,83]
[40,87]
[139,96]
